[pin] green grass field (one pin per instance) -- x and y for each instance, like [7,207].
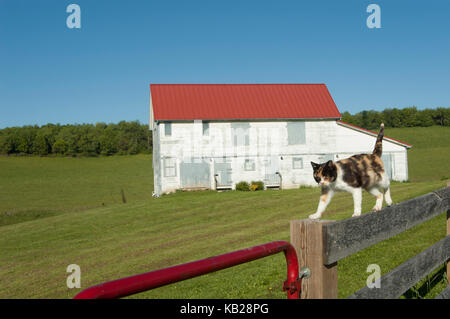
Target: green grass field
[35,187]
[60,211]
[428,158]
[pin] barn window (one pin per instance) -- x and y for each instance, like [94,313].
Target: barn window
[296,133]
[205,128]
[249,165]
[168,129]
[240,134]
[297,163]
[170,167]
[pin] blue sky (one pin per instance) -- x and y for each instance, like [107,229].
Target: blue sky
[101,72]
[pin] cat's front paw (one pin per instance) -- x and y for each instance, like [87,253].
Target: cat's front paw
[376,208]
[356,214]
[314,216]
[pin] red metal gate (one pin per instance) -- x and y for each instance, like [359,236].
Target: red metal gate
[150,280]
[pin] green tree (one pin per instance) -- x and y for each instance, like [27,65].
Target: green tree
[425,117]
[8,141]
[40,145]
[409,117]
[59,147]
[88,144]
[396,118]
[69,134]
[109,143]
[25,139]
[50,131]
[441,116]
[348,118]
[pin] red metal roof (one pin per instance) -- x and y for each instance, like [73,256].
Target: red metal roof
[374,133]
[242,101]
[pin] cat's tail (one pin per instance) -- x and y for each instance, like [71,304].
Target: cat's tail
[378,150]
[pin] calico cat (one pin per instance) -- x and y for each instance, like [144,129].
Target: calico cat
[363,171]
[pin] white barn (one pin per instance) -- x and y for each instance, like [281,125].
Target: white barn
[212,136]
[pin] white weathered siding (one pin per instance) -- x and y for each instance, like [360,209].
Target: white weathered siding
[268,141]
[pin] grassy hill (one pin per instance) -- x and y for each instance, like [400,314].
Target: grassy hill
[36,187]
[428,158]
[86,223]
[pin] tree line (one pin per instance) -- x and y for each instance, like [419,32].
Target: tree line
[135,138]
[406,117]
[77,139]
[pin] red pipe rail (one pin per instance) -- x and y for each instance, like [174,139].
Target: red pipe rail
[150,280]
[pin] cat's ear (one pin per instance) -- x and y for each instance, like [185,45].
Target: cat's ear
[315,166]
[331,170]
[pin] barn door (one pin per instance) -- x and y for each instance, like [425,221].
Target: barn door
[388,164]
[195,173]
[271,167]
[222,170]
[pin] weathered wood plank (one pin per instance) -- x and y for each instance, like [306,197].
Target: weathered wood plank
[398,281]
[445,294]
[448,234]
[306,237]
[346,237]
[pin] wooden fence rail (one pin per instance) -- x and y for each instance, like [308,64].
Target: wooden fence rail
[398,281]
[349,236]
[321,244]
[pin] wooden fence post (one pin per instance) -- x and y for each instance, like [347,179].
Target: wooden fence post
[307,239]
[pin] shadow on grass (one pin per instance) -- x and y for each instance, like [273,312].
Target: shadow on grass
[422,289]
[12,217]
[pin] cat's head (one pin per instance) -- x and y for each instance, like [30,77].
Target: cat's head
[325,173]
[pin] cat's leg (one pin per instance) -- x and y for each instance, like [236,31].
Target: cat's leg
[357,199]
[387,196]
[386,185]
[379,196]
[325,198]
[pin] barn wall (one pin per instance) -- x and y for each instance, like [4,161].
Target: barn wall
[264,145]
[360,141]
[156,161]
